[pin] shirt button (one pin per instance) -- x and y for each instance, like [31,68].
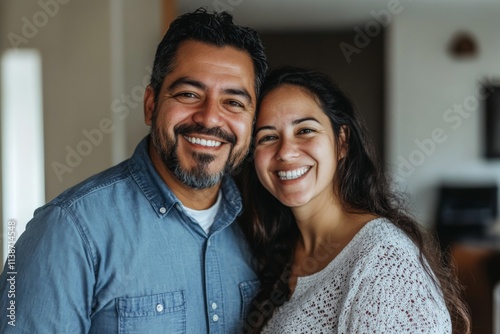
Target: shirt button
[159,307]
[214,306]
[215,318]
[163,210]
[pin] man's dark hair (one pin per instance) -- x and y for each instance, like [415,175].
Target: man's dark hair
[216,29]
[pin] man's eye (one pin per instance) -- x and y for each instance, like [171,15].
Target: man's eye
[235,104]
[185,95]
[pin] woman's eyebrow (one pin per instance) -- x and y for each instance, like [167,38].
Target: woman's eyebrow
[265,127]
[300,120]
[294,122]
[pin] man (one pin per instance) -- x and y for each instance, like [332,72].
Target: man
[149,246]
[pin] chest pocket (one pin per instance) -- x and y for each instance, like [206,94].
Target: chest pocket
[160,313]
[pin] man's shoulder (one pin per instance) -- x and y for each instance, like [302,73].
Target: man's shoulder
[97,184]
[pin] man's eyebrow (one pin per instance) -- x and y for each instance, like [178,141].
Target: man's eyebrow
[239,92]
[195,83]
[187,81]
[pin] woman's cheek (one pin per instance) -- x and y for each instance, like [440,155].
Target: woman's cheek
[261,165]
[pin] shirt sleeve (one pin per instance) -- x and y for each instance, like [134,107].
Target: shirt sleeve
[48,284]
[394,294]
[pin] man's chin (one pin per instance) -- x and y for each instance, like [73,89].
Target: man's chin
[199,179]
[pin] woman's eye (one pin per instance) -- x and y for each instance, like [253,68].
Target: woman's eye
[266,139]
[305,131]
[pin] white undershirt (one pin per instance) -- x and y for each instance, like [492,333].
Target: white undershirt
[205,218]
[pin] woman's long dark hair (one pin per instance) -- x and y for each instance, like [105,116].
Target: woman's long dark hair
[362,188]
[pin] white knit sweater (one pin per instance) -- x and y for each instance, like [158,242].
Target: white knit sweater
[375,285]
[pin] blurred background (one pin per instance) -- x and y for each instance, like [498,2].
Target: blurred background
[425,76]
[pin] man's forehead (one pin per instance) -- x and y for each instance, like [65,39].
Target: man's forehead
[208,66]
[190,53]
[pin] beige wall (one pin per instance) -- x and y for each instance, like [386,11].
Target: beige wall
[425,86]
[94,53]
[79,78]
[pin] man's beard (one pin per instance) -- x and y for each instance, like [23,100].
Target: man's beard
[198,177]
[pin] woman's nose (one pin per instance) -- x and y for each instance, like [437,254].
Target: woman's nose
[287,150]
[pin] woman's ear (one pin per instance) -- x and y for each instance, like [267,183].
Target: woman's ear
[343,141]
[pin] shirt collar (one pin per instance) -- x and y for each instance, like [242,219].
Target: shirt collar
[160,196]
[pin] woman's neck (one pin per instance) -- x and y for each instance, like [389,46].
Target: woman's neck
[325,228]
[317,220]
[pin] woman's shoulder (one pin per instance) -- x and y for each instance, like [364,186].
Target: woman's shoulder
[380,238]
[384,252]
[390,276]
[382,230]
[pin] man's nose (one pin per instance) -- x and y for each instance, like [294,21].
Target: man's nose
[209,114]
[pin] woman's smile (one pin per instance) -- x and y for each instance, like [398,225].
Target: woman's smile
[293,174]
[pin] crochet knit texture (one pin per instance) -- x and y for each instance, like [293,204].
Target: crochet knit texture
[377,284]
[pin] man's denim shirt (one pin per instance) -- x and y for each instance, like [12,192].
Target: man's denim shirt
[117,254]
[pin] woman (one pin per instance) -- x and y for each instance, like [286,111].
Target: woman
[335,250]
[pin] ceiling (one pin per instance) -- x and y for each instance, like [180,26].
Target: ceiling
[313,14]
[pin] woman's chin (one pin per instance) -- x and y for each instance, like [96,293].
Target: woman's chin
[293,201]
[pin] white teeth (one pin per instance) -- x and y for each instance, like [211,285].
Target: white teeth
[203,142]
[293,174]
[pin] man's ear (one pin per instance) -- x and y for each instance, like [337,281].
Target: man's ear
[149,104]
[343,141]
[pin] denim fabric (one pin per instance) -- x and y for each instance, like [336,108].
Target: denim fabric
[117,254]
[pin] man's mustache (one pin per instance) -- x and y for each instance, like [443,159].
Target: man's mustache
[189,130]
